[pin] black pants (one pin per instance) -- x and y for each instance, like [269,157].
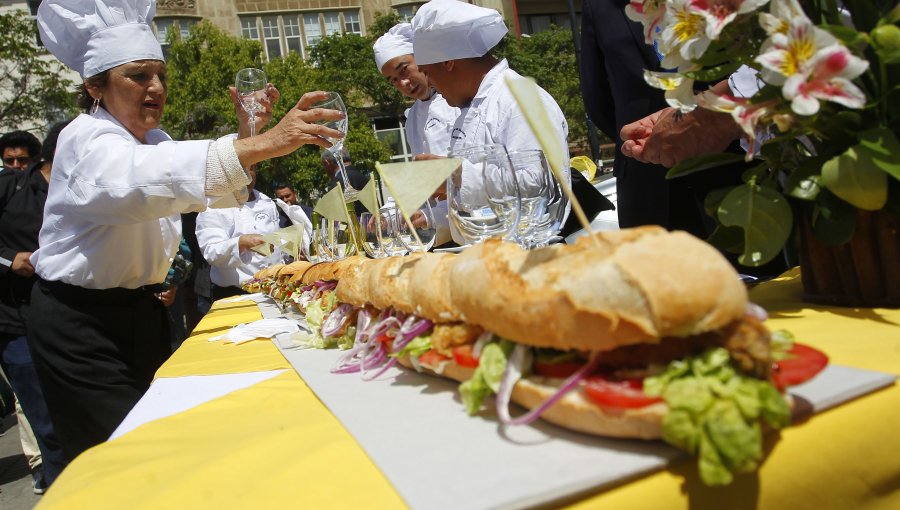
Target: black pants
[95,352]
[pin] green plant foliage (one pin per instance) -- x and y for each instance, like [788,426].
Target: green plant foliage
[549,58]
[34,88]
[765,216]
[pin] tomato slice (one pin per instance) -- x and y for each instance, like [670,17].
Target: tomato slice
[804,363]
[432,358]
[464,356]
[559,370]
[624,394]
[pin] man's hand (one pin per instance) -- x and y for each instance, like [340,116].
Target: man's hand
[248,241]
[21,265]
[167,297]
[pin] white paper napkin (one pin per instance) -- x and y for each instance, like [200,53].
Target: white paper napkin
[264,328]
[256,297]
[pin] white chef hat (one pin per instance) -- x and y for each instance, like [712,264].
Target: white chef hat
[91,36]
[397,41]
[449,30]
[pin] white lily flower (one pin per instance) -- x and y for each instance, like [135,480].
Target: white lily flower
[781,13]
[747,115]
[783,55]
[719,13]
[684,36]
[827,79]
[648,13]
[679,88]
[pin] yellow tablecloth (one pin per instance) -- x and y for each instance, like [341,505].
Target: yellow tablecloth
[274,445]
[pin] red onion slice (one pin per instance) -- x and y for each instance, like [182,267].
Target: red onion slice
[513,373]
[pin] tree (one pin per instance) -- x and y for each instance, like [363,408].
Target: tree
[33,88]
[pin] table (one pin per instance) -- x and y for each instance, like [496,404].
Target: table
[274,445]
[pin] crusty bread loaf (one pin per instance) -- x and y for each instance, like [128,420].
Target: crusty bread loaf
[638,286]
[294,268]
[271,271]
[330,271]
[353,287]
[388,284]
[574,411]
[429,288]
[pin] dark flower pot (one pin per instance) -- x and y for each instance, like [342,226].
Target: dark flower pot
[862,272]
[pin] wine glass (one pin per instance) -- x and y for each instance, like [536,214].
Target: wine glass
[370,235]
[541,198]
[390,239]
[482,194]
[423,221]
[338,240]
[333,101]
[250,84]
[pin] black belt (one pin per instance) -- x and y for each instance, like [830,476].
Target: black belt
[115,295]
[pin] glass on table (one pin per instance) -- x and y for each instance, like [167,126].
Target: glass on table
[390,238]
[370,235]
[483,198]
[337,240]
[543,203]
[423,222]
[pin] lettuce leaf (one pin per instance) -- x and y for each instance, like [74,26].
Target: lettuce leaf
[486,379]
[717,413]
[415,348]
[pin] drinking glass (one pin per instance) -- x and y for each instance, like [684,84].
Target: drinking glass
[390,239]
[337,239]
[370,235]
[542,203]
[335,102]
[423,221]
[251,89]
[483,197]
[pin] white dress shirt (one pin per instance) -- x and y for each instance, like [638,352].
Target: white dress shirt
[112,212]
[428,125]
[218,233]
[494,117]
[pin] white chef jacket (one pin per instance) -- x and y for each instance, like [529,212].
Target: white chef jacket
[112,217]
[428,125]
[218,232]
[494,117]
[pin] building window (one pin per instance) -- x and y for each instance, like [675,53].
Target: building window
[406,12]
[184,27]
[292,35]
[351,23]
[312,28]
[534,23]
[249,29]
[271,37]
[166,26]
[332,23]
[392,133]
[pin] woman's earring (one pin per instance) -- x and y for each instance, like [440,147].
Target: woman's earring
[95,106]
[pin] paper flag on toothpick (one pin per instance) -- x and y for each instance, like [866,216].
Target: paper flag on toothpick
[368,197]
[412,183]
[264,249]
[525,90]
[332,206]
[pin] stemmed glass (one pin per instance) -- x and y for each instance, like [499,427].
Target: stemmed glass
[334,102]
[337,239]
[370,235]
[483,197]
[543,205]
[423,221]
[251,89]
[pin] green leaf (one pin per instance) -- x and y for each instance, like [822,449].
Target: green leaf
[854,177]
[804,182]
[714,73]
[834,220]
[704,162]
[847,35]
[883,148]
[730,239]
[764,215]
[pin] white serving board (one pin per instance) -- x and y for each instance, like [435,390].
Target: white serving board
[416,431]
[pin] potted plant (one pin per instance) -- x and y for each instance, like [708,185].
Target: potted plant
[822,125]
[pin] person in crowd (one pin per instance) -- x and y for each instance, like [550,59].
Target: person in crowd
[430,120]
[286,193]
[227,238]
[22,198]
[648,137]
[112,217]
[20,149]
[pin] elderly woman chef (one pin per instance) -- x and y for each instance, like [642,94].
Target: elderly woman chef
[111,222]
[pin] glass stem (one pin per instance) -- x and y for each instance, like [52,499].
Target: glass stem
[253,125]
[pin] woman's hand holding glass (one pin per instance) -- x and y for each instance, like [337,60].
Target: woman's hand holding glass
[266,98]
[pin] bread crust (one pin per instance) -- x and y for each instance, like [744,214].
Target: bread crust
[353,287]
[330,271]
[429,288]
[634,286]
[389,283]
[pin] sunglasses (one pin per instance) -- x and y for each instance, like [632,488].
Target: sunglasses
[22,160]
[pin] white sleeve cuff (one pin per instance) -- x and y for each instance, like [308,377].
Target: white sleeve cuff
[224,173]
